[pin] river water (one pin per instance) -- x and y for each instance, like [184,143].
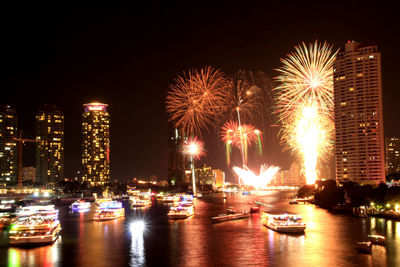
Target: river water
[329,240]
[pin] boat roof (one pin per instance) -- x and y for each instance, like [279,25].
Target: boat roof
[377,236]
[277,213]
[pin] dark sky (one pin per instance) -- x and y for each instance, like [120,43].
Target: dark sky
[126,55]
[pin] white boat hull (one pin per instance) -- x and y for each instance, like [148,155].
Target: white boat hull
[287,229]
[31,240]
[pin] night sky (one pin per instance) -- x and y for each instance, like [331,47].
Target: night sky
[126,55]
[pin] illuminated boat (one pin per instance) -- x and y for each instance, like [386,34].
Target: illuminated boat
[109,210]
[284,223]
[377,239]
[171,199]
[139,202]
[364,247]
[230,217]
[7,205]
[80,206]
[303,200]
[35,227]
[254,209]
[181,210]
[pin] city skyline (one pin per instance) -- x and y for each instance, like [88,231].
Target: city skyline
[129,62]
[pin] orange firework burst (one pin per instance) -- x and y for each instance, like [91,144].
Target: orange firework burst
[196,99]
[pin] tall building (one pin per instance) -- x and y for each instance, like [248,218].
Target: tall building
[392,149]
[8,146]
[178,165]
[96,144]
[49,145]
[358,114]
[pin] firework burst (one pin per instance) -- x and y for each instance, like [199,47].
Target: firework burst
[305,104]
[247,177]
[240,136]
[196,99]
[243,98]
[194,147]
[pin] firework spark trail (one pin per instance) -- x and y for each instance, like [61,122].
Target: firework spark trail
[305,104]
[243,98]
[247,177]
[239,136]
[196,99]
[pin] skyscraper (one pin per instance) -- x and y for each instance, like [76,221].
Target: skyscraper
[96,144]
[359,144]
[392,149]
[49,144]
[8,146]
[177,161]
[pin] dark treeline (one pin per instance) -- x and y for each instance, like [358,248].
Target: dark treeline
[328,194]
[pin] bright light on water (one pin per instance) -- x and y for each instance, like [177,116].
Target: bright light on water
[137,226]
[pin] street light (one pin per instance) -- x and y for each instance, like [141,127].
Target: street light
[195,149]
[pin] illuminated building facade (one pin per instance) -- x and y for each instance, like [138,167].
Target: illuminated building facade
[359,144]
[49,145]
[392,149]
[8,147]
[205,176]
[96,144]
[219,178]
[28,174]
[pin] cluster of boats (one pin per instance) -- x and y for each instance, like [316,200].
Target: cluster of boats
[106,209]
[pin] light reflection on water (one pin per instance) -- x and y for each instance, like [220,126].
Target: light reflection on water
[330,239]
[137,229]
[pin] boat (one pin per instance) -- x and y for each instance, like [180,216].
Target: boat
[170,199]
[284,223]
[109,210]
[377,239]
[181,210]
[7,205]
[303,200]
[364,247]
[230,217]
[38,226]
[254,209]
[139,202]
[80,206]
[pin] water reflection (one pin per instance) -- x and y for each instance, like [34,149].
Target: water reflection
[37,256]
[137,229]
[330,239]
